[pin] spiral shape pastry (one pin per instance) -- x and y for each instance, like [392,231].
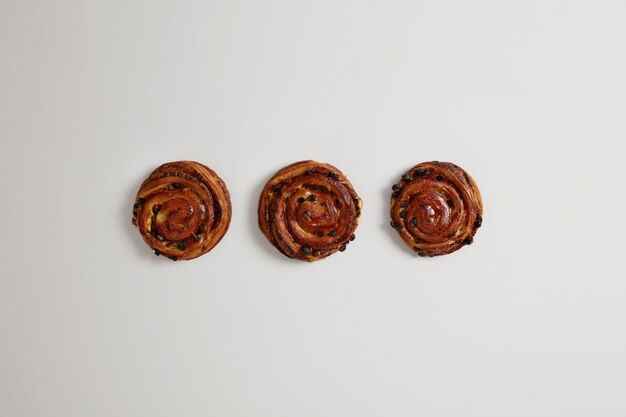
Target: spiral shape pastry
[436,208]
[182,210]
[309,210]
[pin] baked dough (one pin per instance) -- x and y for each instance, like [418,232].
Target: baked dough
[182,210]
[436,208]
[309,210]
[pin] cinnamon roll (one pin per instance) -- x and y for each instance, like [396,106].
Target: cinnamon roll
[182,210]
[436,208]
[309,210]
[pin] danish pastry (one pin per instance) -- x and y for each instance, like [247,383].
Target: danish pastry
[182,210]
[436,208]
[309,210]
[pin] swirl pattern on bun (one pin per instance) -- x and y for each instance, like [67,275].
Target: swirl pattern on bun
[436,208]
[182,210]
[309,210]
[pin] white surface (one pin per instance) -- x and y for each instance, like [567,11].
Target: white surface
[528,96]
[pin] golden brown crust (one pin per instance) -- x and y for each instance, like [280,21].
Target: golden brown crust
[309,210]
[436,208]
[182,210]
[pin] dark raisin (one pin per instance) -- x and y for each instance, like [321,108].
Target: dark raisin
[450,203]
[156,208]
[403,214]
[396,225]
[342,248]
[169,244]
[450,235]
[178,186]
[174,258]
[136,205]
[333,176]
[309,172]
[417,240]
[405,177]
[142,200]
[352,237]
[332,233]
[413,222]
[301,199]
[312,197]
[422,172]
[182,245]
[395,187]
[478,222]
[439,178]
[276,187]
[306,251]
[316,253]
[156,252]
[394,194]
[319,234]
[356,202]
[218,212]
[468,240]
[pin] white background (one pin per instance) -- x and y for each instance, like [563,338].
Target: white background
[528,96]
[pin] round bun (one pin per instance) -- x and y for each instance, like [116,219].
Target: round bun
[182,210]
[309,210]
[436,208]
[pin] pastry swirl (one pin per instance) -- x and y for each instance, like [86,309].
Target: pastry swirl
[436,208]
[182,210]
[309,210]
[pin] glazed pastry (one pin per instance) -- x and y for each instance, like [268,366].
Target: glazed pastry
[182,210]
[309,210]
[436,208]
